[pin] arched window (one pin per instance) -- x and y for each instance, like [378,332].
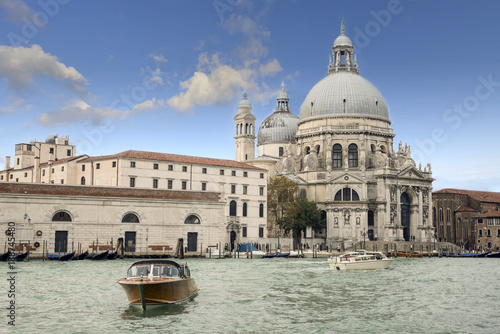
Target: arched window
[308,150]
[82,182]
[232,208]
[261,210]
[61,216]
[337,156]
[192,219]
[318,149]
[244,209]
[448,215]
[130,218]
[459,229]
[346,194]
[353,155]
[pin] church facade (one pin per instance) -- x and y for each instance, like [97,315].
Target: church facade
[339,150]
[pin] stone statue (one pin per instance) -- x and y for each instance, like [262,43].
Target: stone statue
[358,221]
[346,217]
[336,220]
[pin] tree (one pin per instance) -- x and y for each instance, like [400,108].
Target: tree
[308,215]
[282,202]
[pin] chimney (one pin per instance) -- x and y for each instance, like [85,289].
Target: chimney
[7,162]
[36,170]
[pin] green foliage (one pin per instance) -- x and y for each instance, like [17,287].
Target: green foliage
[290,212]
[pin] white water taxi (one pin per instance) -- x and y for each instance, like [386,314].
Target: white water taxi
[360,259]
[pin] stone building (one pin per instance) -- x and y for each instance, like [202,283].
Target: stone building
[458,216]
[237,215]
[340,152]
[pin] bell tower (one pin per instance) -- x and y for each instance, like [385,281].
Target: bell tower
[245,131]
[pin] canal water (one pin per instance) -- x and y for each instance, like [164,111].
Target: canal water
[437,295]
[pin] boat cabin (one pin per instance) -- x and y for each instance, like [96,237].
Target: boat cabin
[159,268]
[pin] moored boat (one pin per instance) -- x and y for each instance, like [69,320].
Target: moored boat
[247,250]
[21,257]
[215,252]
[158,282]
[359,260]
[312,253]
[81,256]
[100,256]
[493,255]
[277,254]
[5,256]
[59,257]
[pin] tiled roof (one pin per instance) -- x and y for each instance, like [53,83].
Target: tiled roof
[60,161]
[482,196]
[490,214]
[173,158]
[465,208]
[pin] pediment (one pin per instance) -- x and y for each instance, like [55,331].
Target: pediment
[411,173]
[345,178]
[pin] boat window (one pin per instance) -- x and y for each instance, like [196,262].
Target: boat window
[156,271]
[138,271]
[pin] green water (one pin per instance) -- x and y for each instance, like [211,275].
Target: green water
[437,295]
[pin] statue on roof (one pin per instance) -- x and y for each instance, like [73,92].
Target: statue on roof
[342,28]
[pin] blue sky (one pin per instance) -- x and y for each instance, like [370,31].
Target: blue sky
[167,76]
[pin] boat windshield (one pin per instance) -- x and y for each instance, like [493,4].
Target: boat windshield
[153,270]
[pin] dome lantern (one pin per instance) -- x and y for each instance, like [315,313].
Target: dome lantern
[343,55]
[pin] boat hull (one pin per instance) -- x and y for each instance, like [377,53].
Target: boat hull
[156,292]
[360,265]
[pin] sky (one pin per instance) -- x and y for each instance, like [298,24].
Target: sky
[167,76]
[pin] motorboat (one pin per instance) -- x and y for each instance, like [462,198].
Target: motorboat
[153,283]
[215,252]
[360,259]
[247,250]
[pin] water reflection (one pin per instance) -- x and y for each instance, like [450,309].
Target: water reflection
[134,313]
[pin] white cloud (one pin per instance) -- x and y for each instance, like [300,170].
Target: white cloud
[78,110]
[158,58]
[16,10]
[15,103]
[20,65]
[149,105]
[213,83]
[270,69]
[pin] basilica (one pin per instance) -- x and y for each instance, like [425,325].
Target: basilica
[339,151]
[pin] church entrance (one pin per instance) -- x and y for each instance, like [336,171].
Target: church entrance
[405,215]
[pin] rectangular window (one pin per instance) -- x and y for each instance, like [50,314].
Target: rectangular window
[184,185]
[261,175]
[203,170]
[114,163]
[184,168]
[221,172]
[68,152]
[480,233]
[155,166]
[62,169]
[155,183]
[261,191]
[98,165]
[244,232]
[132,164]
[132,182]
[52,170]
[62,181]
[233,189]
[51,150]
[245,190]
[498,233]
[245,174]
[233,173]
[43,172]
[203,186]
[281,151]
[11,176]
[169,184]
[488,233]
[83,168]
[480,220]
[170,167]
[18,161]
[25,174]
[261,232]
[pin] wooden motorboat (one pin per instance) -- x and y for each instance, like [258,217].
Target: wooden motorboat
[359,260]
[58,257]
[157,282]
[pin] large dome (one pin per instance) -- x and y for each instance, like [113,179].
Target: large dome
[279,127]
[344,93]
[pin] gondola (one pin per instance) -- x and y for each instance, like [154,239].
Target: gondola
[5,256]
[101,256]
[57,257]
[81,256]
[21,257]
[493,255]
[112,256]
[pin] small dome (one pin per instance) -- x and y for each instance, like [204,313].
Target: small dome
[342,40]
[244,103]
[279,127]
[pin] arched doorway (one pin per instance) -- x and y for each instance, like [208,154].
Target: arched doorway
[233,239]
[405,215]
